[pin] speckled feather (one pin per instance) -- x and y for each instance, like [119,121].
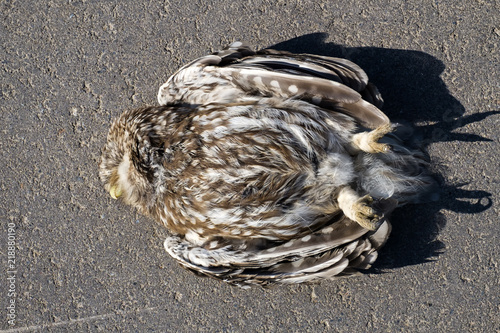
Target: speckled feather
[266,167]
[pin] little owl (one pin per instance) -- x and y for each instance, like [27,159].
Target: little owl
[266,167]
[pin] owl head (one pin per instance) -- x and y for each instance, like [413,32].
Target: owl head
[130,159]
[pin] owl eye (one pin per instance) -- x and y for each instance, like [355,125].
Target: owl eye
[146,157]
[149,158]
[141,156]
[153,155]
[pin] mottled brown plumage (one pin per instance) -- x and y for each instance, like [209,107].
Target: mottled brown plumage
[265,167]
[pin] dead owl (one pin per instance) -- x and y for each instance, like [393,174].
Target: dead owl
[266,167]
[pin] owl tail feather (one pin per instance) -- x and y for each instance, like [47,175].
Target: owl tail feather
[401,174]
[337,250]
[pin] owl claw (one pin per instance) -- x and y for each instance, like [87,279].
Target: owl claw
[376,135]
[359,209]
[364,214]
[368,141]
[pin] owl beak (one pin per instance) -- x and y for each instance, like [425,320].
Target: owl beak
[115,192]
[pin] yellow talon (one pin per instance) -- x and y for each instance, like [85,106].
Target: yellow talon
[115,192]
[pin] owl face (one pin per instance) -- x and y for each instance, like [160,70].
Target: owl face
[124,167]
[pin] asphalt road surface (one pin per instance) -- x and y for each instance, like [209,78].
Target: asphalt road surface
[72,259]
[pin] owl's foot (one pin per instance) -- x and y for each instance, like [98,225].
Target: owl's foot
[359,209]
[368,141]
[365,215]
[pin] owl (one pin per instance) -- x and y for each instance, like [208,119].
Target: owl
[266,167]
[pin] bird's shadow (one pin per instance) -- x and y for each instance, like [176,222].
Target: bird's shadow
[413,93]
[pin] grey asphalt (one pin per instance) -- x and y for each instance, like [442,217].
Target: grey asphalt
[83,262]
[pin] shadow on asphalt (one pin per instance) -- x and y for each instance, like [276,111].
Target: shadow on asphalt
[414,93]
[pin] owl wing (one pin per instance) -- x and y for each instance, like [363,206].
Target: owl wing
[255,225]
[332,252]
[334,84]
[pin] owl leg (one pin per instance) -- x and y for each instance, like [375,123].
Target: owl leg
[358,208]
[368,141]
